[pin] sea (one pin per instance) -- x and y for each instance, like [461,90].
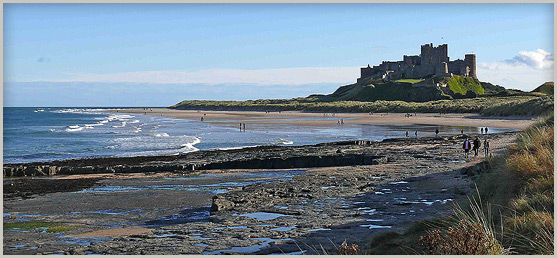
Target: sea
[47,134]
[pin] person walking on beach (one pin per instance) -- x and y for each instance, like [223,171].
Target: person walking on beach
[461,131]
[482,130]
[407,135]
[486,130]
[466,146]
[436,132]
[477,143]
[486,148]
[416,133]
[201,119]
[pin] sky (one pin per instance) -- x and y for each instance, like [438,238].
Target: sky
[160,54]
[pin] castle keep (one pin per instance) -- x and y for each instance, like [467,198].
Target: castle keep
[432,61]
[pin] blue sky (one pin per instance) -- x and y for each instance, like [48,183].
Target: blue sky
[210,51]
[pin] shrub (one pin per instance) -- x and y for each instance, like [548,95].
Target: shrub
[465,238]
[346,249]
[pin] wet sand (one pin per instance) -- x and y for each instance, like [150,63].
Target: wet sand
[232,118]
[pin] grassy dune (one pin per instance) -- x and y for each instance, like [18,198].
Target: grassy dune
[499,106]
[512,212]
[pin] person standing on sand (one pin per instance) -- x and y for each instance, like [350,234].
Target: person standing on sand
[416,133]
[461,131]
[482,130]
[436,132]
[486,147]
[486,130]
[407,135]
[466,146]
[477,143]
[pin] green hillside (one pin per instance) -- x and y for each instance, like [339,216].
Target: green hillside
[546,88]
[415,90]
[462,85]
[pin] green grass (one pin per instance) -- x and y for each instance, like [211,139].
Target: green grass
[462,85]
[38,226]
[410,80]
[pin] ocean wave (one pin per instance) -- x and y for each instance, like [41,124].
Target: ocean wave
[154,151]
[80,110]
[153,143]
[161,135]
[122,125]
[72,128]
[286,142]
[190,145]
[119,117]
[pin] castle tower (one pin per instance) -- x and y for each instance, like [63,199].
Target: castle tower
[434,55]
[470,61]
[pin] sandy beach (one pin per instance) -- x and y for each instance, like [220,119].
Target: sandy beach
[229,118]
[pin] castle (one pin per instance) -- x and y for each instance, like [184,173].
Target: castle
[433,61]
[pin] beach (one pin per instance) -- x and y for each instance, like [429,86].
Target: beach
[350,181]
[331,119]
[331,192]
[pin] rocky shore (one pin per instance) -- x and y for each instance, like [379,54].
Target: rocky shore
[301,199]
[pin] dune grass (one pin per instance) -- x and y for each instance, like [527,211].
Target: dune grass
[510,213]
[516,197]
[491,106]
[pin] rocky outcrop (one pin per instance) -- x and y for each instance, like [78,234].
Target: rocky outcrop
[263,157]
[477,169]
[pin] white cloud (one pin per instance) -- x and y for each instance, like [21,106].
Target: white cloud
[516,76]
[525,71]
[539,59]
[280,76]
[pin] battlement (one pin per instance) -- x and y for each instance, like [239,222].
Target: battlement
[431,61]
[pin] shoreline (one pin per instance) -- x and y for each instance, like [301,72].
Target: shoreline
[251,157]
[414,179]
[231,118]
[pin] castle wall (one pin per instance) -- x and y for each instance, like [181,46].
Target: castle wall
[458,67]
[411,60]
[431,61]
